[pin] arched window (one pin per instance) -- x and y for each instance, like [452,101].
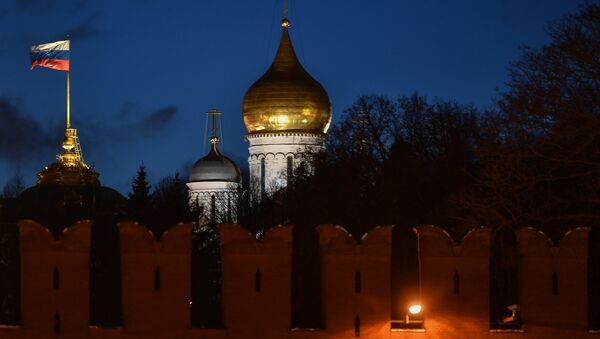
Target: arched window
[357,282]
[357,326]
[157,279]
[257,281]
[554,283]
[262,177]
[55,278]
[456,281]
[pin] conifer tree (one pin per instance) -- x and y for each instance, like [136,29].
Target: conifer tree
[140,198]
[171,203]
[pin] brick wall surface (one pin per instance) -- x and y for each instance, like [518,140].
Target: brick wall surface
[256,284]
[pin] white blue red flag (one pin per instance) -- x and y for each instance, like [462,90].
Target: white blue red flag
[53,55]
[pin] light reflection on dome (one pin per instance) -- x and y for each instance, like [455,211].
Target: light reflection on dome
[286,97]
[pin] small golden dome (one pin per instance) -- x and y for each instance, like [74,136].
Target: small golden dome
[286,97]
[68,172]
[69,169]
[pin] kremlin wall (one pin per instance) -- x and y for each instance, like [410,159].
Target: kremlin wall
[287,114]
[256,285]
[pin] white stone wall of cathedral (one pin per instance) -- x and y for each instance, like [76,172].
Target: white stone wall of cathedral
[275,150]
[226,199]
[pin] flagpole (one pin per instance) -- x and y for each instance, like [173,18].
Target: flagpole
[69,91]
[68,100]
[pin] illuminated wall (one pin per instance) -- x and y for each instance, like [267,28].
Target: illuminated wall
[256,284]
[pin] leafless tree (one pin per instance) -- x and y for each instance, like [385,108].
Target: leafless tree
[13,186]
[542,146]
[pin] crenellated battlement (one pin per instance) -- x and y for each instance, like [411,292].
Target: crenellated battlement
[256,279]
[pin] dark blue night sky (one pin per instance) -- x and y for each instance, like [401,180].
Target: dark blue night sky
[144,72]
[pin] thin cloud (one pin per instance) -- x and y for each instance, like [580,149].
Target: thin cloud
[23,138]
[138,125]
[157,120]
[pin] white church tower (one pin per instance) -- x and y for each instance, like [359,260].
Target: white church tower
[215,182]
[287,113]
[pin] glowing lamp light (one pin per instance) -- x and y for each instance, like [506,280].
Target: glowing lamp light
[282,119]
[414,309]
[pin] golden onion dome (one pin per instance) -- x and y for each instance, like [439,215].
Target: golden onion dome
[69,170]
[286,97]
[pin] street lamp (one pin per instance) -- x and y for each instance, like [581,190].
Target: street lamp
[413,309]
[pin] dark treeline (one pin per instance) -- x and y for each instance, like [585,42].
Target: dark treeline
[533,159]
[161,207]
[387,162]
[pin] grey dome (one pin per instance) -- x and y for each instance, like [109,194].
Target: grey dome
[215,167]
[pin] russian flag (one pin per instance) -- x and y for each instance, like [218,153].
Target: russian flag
[53,55]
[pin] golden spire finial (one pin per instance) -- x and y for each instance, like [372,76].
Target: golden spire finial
[285,23]
[214,139]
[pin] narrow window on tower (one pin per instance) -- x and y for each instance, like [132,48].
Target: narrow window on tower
[357,326]
[257,281]
[229,219]
[456,281]
[262,177]
[554,283]
[357,282]
[157,279]
[55,278]
[290,169]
